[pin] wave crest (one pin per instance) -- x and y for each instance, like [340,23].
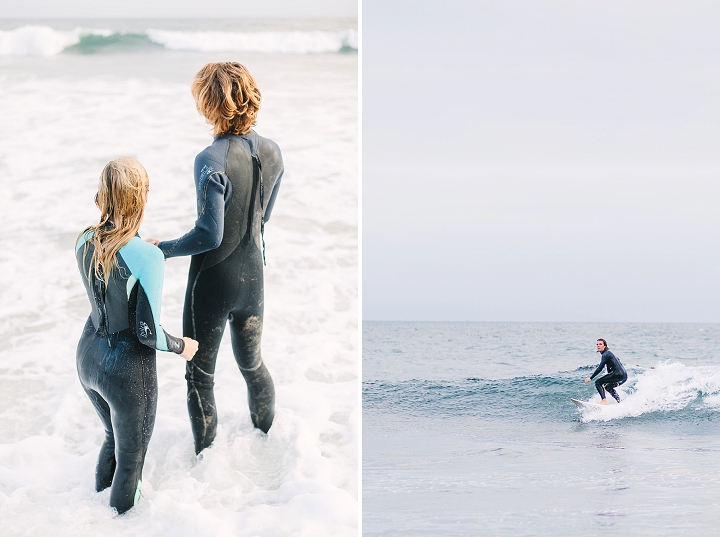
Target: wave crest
[45,41]
[668,387]
[36,41]
[277,42]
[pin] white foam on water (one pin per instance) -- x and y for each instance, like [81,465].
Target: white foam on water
[668,387]
[36,41]
[301,479]
[277,42]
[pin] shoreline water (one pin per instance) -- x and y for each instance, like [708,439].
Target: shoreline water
[65,116]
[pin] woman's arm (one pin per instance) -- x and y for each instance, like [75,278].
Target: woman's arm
[149,331]
[148,291]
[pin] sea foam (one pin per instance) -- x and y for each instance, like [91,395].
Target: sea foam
[277,42]
[668,387]
[36,41]
[301,478]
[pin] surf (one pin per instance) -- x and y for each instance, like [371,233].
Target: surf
[669,387]
[39,40]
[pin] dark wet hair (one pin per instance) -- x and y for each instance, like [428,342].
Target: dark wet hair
[604,343]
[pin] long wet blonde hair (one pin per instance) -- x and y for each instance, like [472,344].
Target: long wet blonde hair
[121,197]
[228,96]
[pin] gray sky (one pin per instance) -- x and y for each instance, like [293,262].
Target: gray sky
[176,9]
[547,161]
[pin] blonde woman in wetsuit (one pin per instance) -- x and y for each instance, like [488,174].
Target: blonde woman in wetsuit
[123,277]
[236,181]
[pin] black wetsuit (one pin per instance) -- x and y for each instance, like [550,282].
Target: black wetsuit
[116,361]
[237,180]
[615,376]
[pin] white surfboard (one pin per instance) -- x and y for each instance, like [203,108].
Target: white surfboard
[586,405]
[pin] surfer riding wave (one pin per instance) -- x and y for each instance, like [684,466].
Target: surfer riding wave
[615,376]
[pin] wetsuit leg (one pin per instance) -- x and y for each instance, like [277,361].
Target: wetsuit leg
[231,291]
[106,464]
[105,468]
[611,390]
[610,387]
[205,315]
[246,324]
[133,402]
[609,383]
[123,375]
[246,331]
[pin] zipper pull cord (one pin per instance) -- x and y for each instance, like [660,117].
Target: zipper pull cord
[256,161]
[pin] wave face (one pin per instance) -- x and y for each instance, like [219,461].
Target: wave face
[94,43]
[666,391]
[45,41]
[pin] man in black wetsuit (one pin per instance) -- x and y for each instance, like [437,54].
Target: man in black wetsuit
[615,376]
[237,179]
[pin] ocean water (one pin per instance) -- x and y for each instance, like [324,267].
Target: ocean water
[75,94]
[468,430]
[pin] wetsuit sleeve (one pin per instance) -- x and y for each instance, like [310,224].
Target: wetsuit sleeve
[271,201]
[148,329]
[213,194]
[147,312]
[603,361]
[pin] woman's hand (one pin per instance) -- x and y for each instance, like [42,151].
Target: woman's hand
[154,242]
[191,347]
[587,380]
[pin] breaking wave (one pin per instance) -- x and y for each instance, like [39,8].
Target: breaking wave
[45,41]
[669,387]
[666,391]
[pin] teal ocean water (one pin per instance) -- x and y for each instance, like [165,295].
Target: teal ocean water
[468,430]
[38,37]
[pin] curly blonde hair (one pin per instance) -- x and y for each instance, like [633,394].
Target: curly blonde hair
[228,96]
[121,197]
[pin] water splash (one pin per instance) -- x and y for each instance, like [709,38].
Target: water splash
[668,387]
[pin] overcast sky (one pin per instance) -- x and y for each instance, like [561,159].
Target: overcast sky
[176,8]
[541,161]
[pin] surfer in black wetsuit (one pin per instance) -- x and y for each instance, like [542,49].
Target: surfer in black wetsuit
[237,179]
[615,376]
[123,277]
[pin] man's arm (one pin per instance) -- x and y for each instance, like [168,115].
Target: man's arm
[271,202]
[213,193]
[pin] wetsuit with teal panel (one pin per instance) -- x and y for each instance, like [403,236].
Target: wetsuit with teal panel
[116,361]
[237,179]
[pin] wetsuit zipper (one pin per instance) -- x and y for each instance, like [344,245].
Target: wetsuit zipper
[104,328]
[257,178]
